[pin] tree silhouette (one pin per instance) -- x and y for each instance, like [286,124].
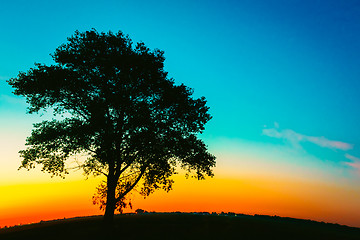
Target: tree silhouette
[113,101]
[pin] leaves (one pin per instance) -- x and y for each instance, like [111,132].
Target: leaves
[123,112]
[100,198]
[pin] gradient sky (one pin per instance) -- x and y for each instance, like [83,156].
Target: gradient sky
[282,80]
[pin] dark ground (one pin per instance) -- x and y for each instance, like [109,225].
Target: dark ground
[182,226]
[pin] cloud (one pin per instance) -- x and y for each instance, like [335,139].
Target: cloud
[324,142]
[355,162]
[296,138]
[352,158]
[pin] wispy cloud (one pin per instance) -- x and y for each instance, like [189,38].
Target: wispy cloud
[352,158]
[4,77]
[296,138]
[355,162]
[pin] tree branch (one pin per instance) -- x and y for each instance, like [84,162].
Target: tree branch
[79,166]
[88,149]
[129,175]
[132,186]
[75,109]
[101,172]
[120,171]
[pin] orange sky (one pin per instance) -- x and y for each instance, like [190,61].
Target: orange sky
[25,203]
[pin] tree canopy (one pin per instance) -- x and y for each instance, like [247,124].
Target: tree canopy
[113,101]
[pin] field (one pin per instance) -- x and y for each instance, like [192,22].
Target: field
[182,226]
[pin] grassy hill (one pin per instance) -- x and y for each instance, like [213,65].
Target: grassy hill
[182,226]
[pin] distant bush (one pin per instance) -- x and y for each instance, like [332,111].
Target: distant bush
[140,211]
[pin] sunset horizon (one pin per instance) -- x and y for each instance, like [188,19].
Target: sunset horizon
[281,80]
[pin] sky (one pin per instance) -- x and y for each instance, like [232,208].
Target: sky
[281,78]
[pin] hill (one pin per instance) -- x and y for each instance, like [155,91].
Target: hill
[182,226]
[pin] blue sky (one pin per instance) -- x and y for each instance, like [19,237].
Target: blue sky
[282,78]
[257,62]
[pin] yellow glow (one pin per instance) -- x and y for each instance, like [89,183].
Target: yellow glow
[26,203]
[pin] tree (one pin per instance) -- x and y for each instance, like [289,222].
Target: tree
[113,101]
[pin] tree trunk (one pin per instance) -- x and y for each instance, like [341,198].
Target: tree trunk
[110,200]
